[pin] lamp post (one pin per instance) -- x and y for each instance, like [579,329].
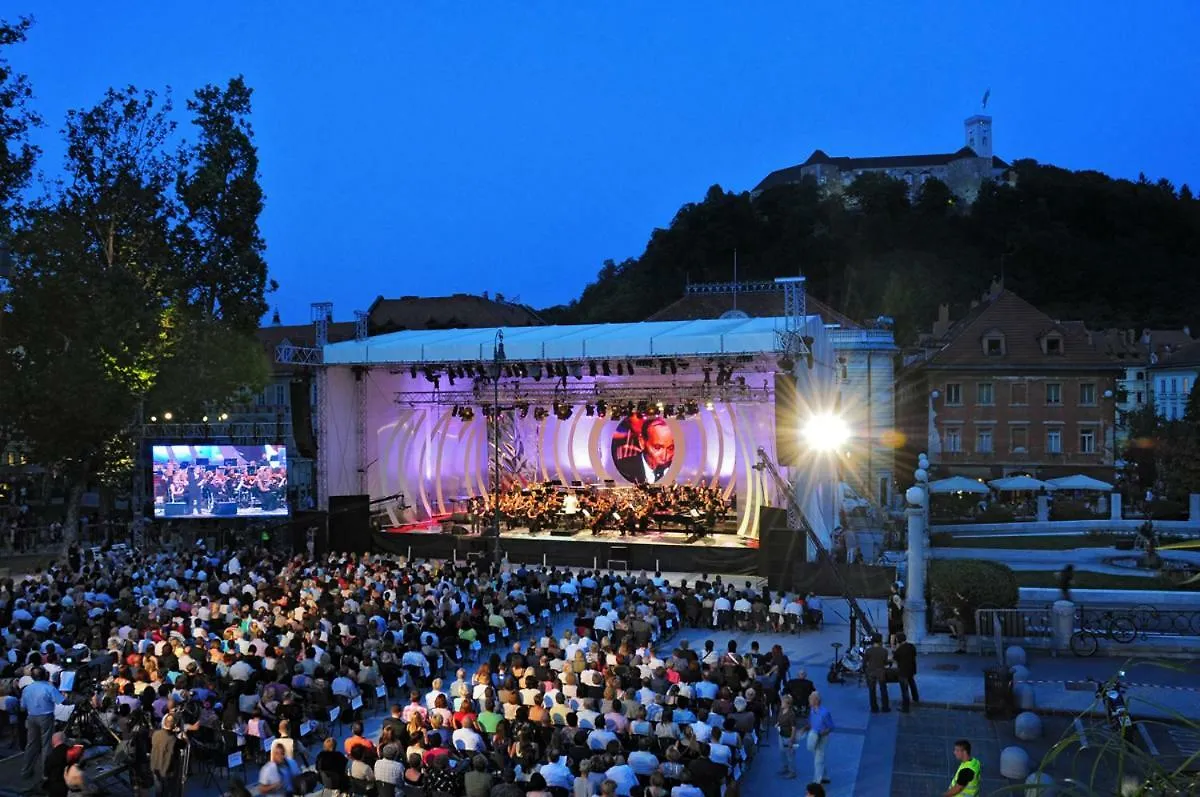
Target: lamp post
[917,515]
[497,365]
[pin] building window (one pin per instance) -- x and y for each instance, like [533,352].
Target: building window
[1020,439]
[1054,441]
[260,398]
[1087,394]
[1174,385]
[280,395]
[1053,394]
[1020,394]
[954,395]
[1140,398]
[983,440]
[993,346]
[1140,375]
[1162,387]
[1187,386]
[953,437]
[985,394]
[1053,344]
[1087,441]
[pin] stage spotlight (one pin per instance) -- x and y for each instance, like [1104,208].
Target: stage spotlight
[413,370]
[668,410]
[692,407]
[467,414]
[454,412]
[450,375]
[167,416]
[662,368]
[522,371]
[681,415]
[708,405]
[673,367]
[589,409]
[642,406]
[524,408]
[786,364]
[536,372]
[601,408]
[620,370]
[826,432]
[629,367]
[591,368]
[539,413]
[577,370]
[607,368]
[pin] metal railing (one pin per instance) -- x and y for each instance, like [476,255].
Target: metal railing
[995,626]
[1145,620]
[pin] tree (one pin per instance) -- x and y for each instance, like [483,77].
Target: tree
[220,294]
[140,277]
[17,118]
[88,321]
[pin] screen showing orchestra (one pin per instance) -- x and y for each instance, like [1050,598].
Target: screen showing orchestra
[206,481]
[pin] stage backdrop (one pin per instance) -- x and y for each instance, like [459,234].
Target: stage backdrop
[436,459]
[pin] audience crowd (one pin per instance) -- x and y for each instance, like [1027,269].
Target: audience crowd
[188,656]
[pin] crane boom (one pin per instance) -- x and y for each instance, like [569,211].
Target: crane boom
[781,484]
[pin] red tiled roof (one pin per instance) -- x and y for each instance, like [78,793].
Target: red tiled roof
[1023,327]
[756,304]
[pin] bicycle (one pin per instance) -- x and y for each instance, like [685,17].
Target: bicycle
[1086,641]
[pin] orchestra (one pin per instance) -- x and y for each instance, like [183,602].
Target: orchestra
[628,510]
[251,485]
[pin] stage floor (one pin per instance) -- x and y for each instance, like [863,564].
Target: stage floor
[653,550]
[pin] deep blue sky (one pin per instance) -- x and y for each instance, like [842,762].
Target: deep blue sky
[429,148]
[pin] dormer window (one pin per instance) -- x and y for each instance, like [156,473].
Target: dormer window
[1052,343]
[993,344]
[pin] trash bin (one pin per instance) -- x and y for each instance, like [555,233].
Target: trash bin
[998,699]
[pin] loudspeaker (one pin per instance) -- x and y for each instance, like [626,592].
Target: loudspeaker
[302,429]
[350,523]
[779,548]
[564,532]
[787,424]
[225,508]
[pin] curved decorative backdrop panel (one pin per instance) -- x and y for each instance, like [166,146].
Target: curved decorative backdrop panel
[437,459]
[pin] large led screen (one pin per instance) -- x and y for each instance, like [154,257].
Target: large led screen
[218,481]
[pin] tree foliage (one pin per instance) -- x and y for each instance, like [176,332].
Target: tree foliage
[139,277]
[17,118]
[1066,241]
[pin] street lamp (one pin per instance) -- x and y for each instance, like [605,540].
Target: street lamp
[497,364]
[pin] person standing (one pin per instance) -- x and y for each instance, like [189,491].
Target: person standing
[38,700]
[786,725]
[895,614]
[966,777]
[820,723]
[905,656]
[875,662]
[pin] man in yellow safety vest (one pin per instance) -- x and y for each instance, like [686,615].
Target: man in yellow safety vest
[966,777]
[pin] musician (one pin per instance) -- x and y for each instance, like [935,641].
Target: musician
[648,461]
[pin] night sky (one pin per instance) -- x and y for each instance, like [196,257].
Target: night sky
[431,148]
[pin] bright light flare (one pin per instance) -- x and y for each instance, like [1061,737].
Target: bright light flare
[826,432]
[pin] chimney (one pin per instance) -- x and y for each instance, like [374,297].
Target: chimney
[942,325]
[1145,337]
[275,322]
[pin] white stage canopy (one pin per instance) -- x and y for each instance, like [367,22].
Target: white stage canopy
[1080,482]
[1014,484]
[715,337]
[957,484]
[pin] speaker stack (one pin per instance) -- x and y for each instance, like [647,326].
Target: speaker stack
[350,523]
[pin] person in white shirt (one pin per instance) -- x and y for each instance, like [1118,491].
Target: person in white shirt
[623,775]
[468,739]
[432,695]
[643,762]
[558,773]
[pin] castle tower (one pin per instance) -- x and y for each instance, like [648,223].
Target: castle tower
[979,134]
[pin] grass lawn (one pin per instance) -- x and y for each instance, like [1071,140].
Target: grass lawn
[1029,542]
[1086,580]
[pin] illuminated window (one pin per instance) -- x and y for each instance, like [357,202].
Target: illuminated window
[1087,441]
[983,440]
[1054,441]
[953,438]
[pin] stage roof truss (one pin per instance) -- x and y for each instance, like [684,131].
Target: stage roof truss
[582,343]
[586,394]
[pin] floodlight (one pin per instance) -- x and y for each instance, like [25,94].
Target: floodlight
[826,432]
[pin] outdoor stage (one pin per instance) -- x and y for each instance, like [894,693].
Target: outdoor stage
[612,423]
[666,550]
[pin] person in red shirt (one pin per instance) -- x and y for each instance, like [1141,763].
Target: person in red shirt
[357,738]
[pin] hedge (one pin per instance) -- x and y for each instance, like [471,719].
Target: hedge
[982,584]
